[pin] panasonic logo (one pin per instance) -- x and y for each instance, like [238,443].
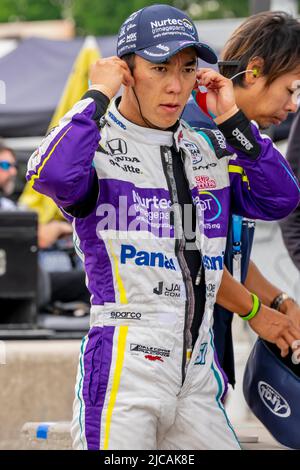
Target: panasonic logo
[273,400]
[145,258]
[213,263]
[242,139]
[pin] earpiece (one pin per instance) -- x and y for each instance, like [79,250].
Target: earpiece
[255,71]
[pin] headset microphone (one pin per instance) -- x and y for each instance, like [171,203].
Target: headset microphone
[255,72]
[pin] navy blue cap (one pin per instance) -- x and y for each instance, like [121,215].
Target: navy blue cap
[157,32]
[271,388]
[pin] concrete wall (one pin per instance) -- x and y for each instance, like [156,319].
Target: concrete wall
[36,384]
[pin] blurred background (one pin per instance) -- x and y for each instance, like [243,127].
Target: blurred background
[40,40]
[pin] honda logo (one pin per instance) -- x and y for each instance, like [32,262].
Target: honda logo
[117,146]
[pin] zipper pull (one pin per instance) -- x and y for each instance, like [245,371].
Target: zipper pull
[198,277]
[168,157]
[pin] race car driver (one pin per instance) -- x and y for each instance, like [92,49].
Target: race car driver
[122,173]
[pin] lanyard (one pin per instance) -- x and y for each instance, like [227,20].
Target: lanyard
[237,223]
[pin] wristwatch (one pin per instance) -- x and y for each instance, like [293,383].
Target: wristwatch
[279,299]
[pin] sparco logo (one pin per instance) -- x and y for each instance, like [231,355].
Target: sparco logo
[149,350]
[126,315]
[273,400]
[242,139]
[117,146]
[220,138]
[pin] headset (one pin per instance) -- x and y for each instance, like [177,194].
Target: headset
[235,63]
[255,71]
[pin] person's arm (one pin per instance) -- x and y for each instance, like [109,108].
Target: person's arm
[269,324]
[49,233]
[62,166]
[267,292]
[257,283]
[263,185]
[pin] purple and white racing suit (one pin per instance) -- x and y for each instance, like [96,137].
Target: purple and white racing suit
[139,385]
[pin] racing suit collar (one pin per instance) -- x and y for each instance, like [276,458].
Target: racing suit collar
[140,134]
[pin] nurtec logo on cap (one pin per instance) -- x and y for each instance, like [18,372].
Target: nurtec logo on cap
[171,22]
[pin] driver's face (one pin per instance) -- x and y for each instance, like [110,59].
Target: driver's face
[163,89]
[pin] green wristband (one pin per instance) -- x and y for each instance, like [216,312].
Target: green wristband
[255,308]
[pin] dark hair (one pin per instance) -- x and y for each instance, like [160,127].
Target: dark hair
[4,148]
[130,60]
[271,36]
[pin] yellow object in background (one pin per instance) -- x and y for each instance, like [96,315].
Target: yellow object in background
[76,86]
[77,83]
[45,207]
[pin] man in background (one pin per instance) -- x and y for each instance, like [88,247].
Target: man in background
[8,173]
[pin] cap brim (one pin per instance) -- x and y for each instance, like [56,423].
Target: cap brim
[157,54]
